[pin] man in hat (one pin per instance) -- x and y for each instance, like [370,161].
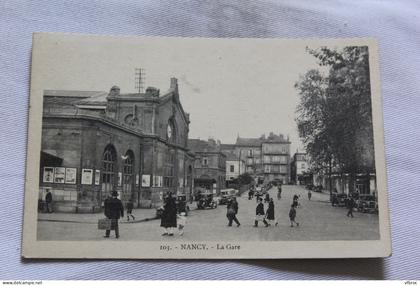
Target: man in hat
[114,210]
[48,202]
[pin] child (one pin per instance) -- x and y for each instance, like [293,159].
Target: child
[181,221]
[130,207]
[259,214]
[292,215]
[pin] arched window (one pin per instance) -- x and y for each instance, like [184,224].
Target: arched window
[171,131]
[128,170]
[169,169]
[108,170]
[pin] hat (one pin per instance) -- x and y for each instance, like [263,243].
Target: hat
[114,194]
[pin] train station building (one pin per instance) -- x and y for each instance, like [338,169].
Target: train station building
[94,143]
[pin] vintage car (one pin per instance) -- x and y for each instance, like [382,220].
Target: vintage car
[181,204]
[367,204]
[339,199]
[226,195]
[318,188]
[309,186]
[206,201]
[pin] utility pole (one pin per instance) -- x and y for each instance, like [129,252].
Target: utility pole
[140,77]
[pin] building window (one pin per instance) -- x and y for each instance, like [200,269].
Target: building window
[283,169]
[283,159]
[267,159]
[205,161]
[108,170]
[250,152]
[171,131]
[267,169]
[168,171]
[303,166]
[275,158]
[128,180]
[232,168]
[249,161]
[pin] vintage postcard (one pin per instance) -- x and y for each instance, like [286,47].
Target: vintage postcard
[194,148]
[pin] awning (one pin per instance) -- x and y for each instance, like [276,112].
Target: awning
[48,159]
[205,180]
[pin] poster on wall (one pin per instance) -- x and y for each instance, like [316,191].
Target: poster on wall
[59,174]
[87,176]
[48,175]
[97,177]
[137,179]
[119,178]
[71,174]
[155,181]
[145,180]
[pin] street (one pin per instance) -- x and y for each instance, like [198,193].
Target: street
[318,221]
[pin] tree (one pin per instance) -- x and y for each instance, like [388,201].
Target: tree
[334,116]
[245,179]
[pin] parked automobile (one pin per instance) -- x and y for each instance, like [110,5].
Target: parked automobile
[309,186]
[318,188]
[206,201]
[181,204]
[339,200]
[226,195]
[367,204]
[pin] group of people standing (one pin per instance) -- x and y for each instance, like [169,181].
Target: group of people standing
[266,216]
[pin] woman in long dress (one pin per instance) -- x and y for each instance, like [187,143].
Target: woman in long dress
[270,217]
[168,219]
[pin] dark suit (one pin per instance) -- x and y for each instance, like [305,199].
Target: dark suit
[259,211]
[48,201]
[232,210]
[113,210]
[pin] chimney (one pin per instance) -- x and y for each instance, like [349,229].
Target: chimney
[174,83]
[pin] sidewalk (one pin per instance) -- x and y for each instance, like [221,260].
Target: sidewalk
[141,215]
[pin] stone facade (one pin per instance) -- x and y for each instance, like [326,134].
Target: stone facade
[209,165]
[300,169]
[266,158]
[135,144]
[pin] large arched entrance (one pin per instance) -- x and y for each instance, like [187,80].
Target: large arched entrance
[109,161]
[128,176]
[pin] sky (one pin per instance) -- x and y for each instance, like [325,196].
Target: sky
[230,87]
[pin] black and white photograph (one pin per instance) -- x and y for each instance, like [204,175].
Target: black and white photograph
[205,148]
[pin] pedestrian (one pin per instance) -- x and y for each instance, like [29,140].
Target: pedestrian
[130,207]
[259,214]
[350,206]
[295,200]
[114,210]
[182,221]
[267,198]
[270,213]
[292,215]
[309,195]
[48,202]
[279,192]
[250,194]
[257,195]
[232,211]
[168,219]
